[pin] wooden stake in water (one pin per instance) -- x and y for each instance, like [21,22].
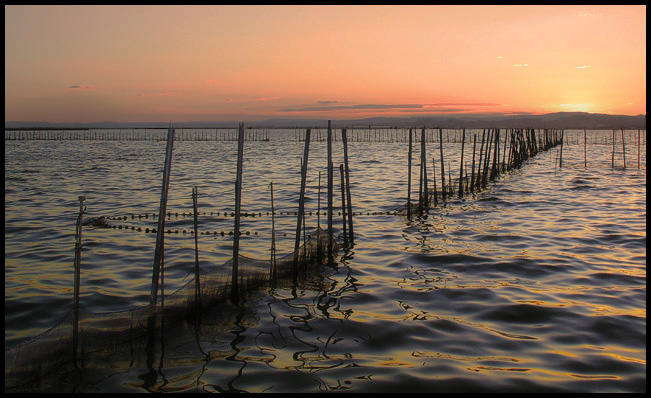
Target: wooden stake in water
[560,161]
[77,280]
[409,176]
[343,202]
[351,235]
[442,164]
[330,189]
[463,142]
[197,284]
[423,168]
[238,208]
[638,148]
[472,176]
[272,272]
[623,147]
[160,233]
[301,199]
[612,162]
[585,148]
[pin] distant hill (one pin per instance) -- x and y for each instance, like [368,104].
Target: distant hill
[566,120]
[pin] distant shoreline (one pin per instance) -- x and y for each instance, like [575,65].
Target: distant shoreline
[565,120]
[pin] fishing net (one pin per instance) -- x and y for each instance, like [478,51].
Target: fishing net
[99,345]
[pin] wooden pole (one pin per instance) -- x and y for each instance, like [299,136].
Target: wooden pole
[301,199]
[343,202]
[77,280]
[423,162]
[560,164]
[409,177]
[638,148]
[585,148]
[238,208]
[472,177]
[197,284]
[442,164]
[160,233]
[463,143]
[612,162]
[623,148]
[330,189]
[272,272]
[351,235]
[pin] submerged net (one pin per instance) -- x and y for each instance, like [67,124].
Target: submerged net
[100,345]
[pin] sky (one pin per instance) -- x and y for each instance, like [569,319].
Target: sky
[252,62]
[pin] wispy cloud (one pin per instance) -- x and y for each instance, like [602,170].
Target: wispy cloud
[520,65]
[161,94]
[430,107]
[582,67]
[264,99]
[77,87]
[354,107]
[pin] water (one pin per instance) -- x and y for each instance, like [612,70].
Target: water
[536,284]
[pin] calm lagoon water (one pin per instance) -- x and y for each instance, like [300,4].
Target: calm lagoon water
[536,284]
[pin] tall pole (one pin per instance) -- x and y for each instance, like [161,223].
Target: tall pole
[442,165]
[301,199]
[238,207]
[160,233]
[197,285]
[463,143]
[77,281]
[409,176]
[342,175]
[330,189]
[272,271]
[351,238]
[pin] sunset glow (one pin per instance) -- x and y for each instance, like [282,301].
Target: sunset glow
[213,63]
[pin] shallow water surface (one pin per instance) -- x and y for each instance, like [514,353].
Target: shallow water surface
[538,283]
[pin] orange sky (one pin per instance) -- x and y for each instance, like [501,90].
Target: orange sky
[212,63]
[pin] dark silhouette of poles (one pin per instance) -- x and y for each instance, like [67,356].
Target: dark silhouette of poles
[442,164]
[238,207]
[301,200]
[612,162]
[638,148]
[623,148]
[424,197]
[343,202]
[472,176]
[481,157]
[160,233]
[409,176]
[272,271]
[585,148]
[330,189]
[560,161]
[197,283]
[77,281]
[463,142]
[344,139]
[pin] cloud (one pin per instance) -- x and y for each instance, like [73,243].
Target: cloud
[582,67]
[355,107]
[463,104]
[586,14]
[520,65]
[499,57]
[416,108]
[265,98]
[76,87]
[155,94]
